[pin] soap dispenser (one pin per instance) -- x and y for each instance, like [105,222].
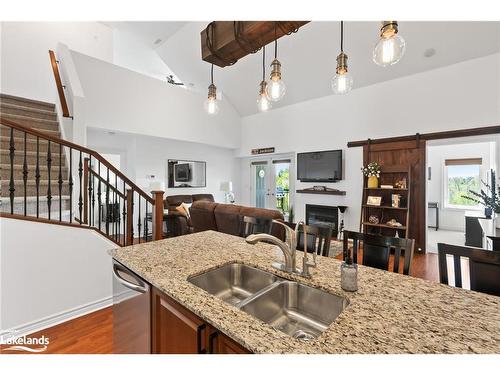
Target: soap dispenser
[348,273]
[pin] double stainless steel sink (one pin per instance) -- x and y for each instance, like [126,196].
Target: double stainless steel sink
[296,309]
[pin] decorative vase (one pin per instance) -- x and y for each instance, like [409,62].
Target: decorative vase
[373,182]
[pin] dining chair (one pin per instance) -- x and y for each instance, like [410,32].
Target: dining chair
[252,225]
[318,239]
[484,267]
[377,250]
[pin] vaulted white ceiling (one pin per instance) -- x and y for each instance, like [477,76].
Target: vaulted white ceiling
[308,56]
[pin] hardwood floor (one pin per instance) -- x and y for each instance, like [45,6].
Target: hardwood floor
[88,334]
[93,333]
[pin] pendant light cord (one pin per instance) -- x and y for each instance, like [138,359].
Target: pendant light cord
[341,36]
[212,74]
[264,63]
[275,42]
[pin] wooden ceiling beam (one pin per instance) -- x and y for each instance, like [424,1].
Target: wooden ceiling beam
[233,40]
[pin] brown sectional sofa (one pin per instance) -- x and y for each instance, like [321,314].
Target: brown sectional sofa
[177,223]
[227,218]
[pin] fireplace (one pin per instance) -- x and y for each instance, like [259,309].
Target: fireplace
[326,216]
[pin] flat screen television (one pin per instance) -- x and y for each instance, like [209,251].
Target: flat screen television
[182,172]
[321,166]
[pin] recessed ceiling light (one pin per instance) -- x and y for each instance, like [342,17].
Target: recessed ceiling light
[429,52]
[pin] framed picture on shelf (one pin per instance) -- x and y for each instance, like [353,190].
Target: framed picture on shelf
[373,201]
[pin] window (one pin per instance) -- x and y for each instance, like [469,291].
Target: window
[461,176]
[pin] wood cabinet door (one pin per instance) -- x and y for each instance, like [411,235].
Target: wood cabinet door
[176,330]
[221,344]
[410,154]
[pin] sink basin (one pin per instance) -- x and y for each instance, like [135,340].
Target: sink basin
[234,282]
[296,309]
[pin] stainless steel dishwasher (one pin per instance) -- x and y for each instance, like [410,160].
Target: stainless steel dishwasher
[131,312]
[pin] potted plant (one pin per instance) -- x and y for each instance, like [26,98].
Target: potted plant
[489,197]
[372,171]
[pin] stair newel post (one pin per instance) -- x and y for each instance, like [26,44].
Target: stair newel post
[86,190]
[12,187]
[70,183]
[80,198]
[107,200]
[37,176]
[116,210]
[130,217]
[60,182]
[89,199]
[157,215]
[139,218]
[146,222]
[25,173]
[124,214]
[49,190]
[99,202]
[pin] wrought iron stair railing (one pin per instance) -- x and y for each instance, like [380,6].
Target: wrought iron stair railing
[53,180]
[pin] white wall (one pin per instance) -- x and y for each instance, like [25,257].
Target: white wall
[453,218]
[26,69]
[130,51]
[123,100]
[143,156]
[50,273]
[441,99]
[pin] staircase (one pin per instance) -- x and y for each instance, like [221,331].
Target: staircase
[48,179]
[39,116]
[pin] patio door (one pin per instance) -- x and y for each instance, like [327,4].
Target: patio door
[271,183]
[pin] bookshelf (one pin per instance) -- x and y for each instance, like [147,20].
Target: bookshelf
[389,175]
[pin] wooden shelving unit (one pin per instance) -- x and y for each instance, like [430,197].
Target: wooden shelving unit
[389,175]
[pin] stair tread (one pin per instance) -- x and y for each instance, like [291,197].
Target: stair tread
[26,100]
[25,108]
[35,119]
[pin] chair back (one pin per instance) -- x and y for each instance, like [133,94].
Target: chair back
[484,267]
[318,239]
[377,250]
[252,225]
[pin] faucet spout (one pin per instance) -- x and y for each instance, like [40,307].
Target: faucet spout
[288,251]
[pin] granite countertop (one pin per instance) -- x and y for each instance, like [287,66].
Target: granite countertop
[390,313]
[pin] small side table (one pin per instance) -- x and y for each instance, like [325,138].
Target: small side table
[436,206]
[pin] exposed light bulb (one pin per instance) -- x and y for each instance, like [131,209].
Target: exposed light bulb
[391,47]
[342,83]
[211,106]
[263,102]
[276,88]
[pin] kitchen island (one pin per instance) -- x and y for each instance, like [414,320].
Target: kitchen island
[390,313]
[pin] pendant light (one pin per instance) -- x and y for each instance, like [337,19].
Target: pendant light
[391,46]
[276,87]
[263,102]
[211,105]
[342,81]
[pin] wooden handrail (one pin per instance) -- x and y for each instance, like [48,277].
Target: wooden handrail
[60,88]
[75,146]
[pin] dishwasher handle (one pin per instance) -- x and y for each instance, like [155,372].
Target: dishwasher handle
[128,284]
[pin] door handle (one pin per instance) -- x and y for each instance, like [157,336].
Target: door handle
[128,284]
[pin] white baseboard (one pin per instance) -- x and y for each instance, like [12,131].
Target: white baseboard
[55,319]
